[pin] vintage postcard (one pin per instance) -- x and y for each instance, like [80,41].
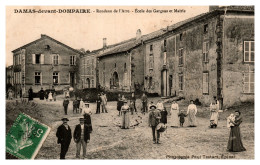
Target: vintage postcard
[130,82]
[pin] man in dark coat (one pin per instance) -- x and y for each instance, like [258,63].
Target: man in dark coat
[65,105]
[133,99]
[64,137]
[81,137]
[98,104]
[75,105]
[41,94]
[154,119]
[30,93]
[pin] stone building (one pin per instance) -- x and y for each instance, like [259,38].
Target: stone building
[10,75]
[211,54]
[88,70]
[45,63]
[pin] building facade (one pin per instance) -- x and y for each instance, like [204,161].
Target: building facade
[45,63]
[120,67]
[88,71]
[208,55]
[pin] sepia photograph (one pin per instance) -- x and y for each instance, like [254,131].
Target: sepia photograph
[130,82]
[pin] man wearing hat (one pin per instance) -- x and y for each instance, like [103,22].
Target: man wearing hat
[98,104]
[81,137]
[64,137]
[154,120]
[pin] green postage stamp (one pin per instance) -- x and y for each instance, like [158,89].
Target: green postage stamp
[26,137]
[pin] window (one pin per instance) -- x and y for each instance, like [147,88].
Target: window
[249,51]
[72,60]
[92,83]
[55,59]
[37,78]
[181,82]
[47,47]
[37,58]
[205,50]
[164,58]
[249,84]
[181,57]
[151,61]
[55,77]
[180,36]
[206,28]
[151,47]
[115,65]
[150,82]
[165,43]
[205,85]
[125,79]
[125,67]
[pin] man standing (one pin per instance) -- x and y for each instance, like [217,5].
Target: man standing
[98,104]
[133,99]
[65,105]
[41,94]
[103,103]
[75,105]
[81,137]
[64,137]
[154,119]
[30,93]
[144,102]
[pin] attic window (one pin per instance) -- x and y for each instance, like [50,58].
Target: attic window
[165,43]
[180,36]
[47,47]
[206,28]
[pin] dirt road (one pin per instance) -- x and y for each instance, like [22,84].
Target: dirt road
[108,141]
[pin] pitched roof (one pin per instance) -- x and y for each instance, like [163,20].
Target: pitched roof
[132,43]
[43,36]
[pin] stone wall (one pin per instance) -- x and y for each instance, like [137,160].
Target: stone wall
[237,30]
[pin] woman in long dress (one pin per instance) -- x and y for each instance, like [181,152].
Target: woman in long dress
[125,116]
[86,112]
[191,113]
[119,104]
[214,115]
[50,96]
[174,111]
[234,142]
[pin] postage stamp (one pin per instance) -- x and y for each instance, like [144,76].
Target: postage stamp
[26,137]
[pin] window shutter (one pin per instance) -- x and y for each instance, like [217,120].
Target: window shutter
[42,58]
[33,58]
[58,59]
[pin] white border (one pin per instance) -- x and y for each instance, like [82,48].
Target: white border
[3,3]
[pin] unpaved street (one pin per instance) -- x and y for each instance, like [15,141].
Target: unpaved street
[108,141]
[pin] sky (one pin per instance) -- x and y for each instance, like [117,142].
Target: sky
[87,30]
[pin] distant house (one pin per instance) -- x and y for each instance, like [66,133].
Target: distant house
[45,63]
[88,71]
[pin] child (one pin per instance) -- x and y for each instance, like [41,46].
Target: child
[213,124]
[182,117]
[230,120]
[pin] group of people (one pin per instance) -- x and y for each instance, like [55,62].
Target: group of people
[101,102]
[49,96]
[157,118]
[81,137]
[81,133]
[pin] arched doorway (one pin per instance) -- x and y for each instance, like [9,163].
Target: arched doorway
[115,80]
[87,83]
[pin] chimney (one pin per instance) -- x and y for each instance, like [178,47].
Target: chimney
[138,34]
[104,42]
[211,8]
